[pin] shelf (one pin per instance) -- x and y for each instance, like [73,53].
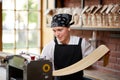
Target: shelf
[96,29]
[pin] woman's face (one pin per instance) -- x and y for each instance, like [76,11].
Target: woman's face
[62,33]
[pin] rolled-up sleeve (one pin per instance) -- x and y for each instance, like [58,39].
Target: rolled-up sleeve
[48,51]
[87,48]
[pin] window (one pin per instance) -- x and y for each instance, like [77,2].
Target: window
[21,28]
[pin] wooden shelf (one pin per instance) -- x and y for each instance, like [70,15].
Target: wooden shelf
[95,28]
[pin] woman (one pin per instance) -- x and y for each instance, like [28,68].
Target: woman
[65,49]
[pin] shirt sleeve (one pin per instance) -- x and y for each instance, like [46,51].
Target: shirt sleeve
[48,51]
[87,48]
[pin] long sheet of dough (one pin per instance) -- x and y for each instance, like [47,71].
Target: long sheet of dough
[84,63]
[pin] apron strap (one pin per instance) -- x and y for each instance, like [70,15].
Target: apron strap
[80,41]
[55,41]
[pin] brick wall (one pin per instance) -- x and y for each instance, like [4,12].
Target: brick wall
[114,46]
[77,3]
[103,37]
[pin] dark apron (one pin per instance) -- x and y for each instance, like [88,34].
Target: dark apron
[66,55]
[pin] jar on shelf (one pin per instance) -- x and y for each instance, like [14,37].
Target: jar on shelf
[116,19]
[99,19]
[104,19]
[89,21]
[76,19]
[84,19]
[93,20]
[110,19]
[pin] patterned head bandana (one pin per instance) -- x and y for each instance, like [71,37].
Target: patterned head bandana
[62,20]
